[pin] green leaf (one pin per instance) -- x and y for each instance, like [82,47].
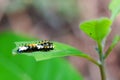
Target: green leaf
[22,67]
[26,68]
[60,50]
[97,29]
[115,8]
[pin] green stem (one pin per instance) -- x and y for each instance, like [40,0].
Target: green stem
[108,51]
[100,51]
[90,59]
[102,71]
[114,43]
[101,57]
[114,14]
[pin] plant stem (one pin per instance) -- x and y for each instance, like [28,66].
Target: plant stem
[90,59]
[114,15]
[101,58]
[102,71]
[114,43]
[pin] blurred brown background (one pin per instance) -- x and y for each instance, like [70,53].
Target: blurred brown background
[59,20]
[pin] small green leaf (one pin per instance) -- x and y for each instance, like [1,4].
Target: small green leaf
[60,50]
[115,8]
[97,29]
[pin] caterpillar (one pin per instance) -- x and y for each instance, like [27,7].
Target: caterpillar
[41,46]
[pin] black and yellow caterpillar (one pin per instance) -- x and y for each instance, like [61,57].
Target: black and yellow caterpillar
[41,46]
